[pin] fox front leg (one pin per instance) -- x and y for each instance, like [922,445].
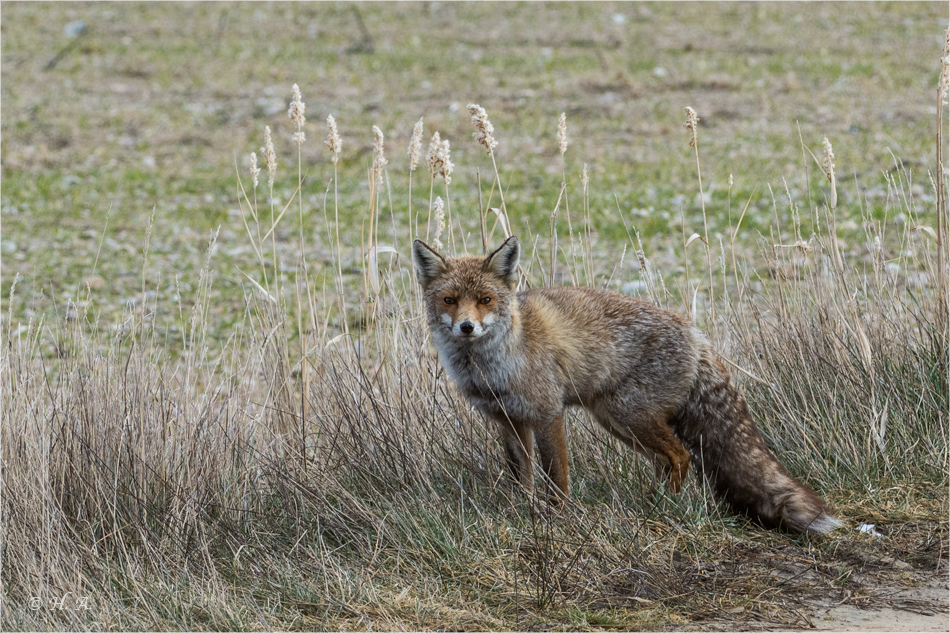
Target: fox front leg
[518,441]
[552,448]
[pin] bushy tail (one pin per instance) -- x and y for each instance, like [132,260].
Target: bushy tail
[728,449]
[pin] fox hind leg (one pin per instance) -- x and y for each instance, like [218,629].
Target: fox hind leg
[650,435]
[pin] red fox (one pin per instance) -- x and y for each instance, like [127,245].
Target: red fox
[647,375]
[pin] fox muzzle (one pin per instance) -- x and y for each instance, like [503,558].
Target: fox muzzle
[466,326]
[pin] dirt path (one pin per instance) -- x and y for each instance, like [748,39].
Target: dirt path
[924,608]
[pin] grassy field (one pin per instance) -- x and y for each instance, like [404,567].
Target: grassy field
[147,114]
[207,426]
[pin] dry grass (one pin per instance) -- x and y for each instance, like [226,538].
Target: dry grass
[310,466]
[293,477]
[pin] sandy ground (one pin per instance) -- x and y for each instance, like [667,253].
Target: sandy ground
[923,608]
[885,605]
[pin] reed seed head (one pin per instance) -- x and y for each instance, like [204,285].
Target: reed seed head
[828,159]
[445,164]
[255,170]
[438,210]
[415,146]
[585,178]
[484,130]
[333,140]
[270,156]
[379,155]
[433,154]
[943,86]
[439,159]
[296,114]
[562,133]
[692,123]
[828,164]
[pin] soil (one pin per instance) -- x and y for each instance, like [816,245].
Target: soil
[924,608]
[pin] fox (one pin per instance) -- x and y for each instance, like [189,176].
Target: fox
[647,375]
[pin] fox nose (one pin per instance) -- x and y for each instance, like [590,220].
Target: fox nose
[467,327]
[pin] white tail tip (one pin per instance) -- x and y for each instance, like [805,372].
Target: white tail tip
[824,523]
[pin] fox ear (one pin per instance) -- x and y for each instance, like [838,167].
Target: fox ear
[427,262]
[504,261]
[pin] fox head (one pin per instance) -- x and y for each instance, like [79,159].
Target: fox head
[468,297]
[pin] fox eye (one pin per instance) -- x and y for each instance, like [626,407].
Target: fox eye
[449,300]
[485,300]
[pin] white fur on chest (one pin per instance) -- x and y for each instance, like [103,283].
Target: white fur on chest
[489,377]
[479,365]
